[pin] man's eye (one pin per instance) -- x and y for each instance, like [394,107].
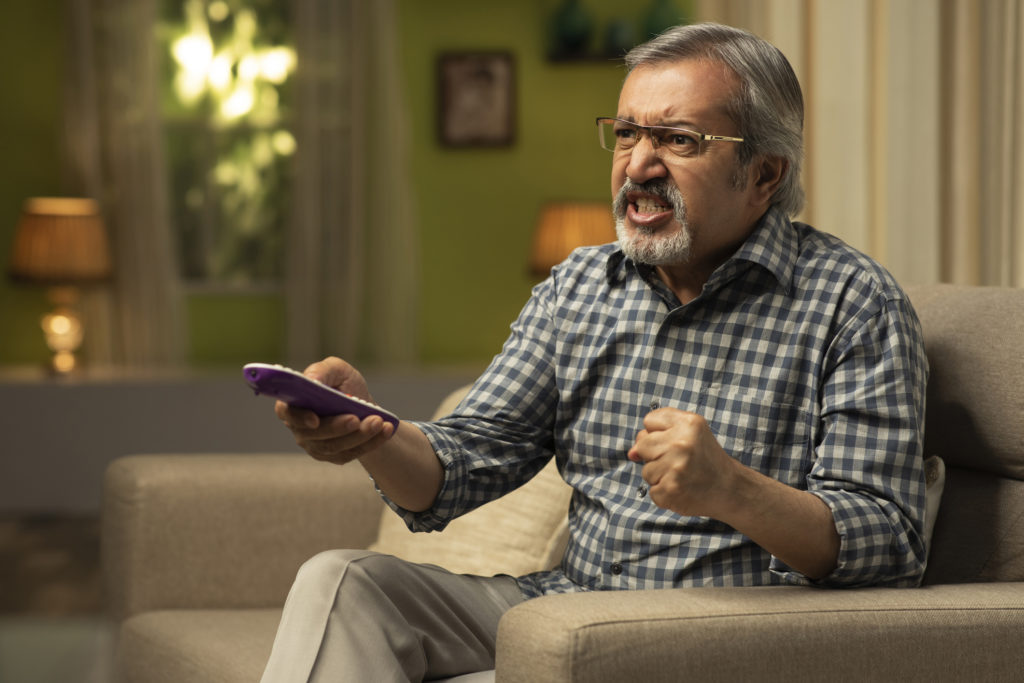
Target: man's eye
[625,133]
[680,139]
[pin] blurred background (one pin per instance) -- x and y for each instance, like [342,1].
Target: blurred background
[276,186]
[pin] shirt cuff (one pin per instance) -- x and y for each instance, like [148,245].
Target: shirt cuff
[872,546]
[437,517]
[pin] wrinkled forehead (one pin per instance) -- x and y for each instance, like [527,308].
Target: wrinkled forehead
[688,92]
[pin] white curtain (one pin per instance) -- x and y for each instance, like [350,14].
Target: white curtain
[352,268]
[914,127]
[113,152]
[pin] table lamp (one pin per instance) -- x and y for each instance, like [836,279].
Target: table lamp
[563,226]
[61,243]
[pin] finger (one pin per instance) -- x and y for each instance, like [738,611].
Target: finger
[351,438]
[296,418]
[335,372]
[649,446]
[327,370]
[662,419]
[652,473]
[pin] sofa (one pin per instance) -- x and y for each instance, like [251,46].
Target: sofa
[199,552]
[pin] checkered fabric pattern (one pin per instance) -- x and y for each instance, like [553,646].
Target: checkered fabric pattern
[803,355]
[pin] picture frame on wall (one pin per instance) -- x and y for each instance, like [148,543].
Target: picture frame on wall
[476,99]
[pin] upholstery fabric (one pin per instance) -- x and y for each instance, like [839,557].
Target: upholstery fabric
[766,634]
[172,527]
[975,400]
[531,523]
[227,646]
[979,535]
[975,423]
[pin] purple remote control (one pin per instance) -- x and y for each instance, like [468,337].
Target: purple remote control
[300,391]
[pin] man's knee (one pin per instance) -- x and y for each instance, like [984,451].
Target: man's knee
[338,567]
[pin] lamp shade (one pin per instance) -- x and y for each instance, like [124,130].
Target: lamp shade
[563,226]
[60,240]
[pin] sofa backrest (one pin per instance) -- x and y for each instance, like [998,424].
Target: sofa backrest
[975,422]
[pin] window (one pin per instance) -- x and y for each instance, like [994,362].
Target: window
[226,106]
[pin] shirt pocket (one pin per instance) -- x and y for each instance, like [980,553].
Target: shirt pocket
[764,430]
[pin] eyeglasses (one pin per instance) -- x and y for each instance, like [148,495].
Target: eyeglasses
[616,135]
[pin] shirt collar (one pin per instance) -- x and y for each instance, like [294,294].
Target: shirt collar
[773,245]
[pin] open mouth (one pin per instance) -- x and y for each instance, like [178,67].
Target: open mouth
[650,205]
[648,211]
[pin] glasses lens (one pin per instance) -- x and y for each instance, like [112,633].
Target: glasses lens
[606,134]
[616,135]
[679,141]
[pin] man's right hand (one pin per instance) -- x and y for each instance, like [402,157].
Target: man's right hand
[339,438]
[401,461]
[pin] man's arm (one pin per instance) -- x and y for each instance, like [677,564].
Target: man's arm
[689,473]
[401,462]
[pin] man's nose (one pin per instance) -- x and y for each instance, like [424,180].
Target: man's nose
[645,160]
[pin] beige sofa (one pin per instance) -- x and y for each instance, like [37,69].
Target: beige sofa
[199,553]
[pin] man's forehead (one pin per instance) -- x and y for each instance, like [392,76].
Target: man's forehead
[689,91]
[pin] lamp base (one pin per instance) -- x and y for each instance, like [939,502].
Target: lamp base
[63,330]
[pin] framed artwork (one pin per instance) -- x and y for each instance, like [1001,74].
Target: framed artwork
[476,98]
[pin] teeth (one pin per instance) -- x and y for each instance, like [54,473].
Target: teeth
[648,205]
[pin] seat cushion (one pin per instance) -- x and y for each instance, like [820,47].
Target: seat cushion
[199,646]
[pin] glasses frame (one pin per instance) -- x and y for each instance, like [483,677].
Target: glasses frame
[701,137]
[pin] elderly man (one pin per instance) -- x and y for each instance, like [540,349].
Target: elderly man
[736,399]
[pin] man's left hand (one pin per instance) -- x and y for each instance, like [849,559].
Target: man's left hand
[685,467]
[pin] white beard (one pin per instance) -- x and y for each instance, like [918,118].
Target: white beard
[645,246]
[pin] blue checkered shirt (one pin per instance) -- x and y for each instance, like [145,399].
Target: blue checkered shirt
[803,355]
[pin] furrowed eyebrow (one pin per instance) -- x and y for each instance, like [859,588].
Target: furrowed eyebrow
[689,125]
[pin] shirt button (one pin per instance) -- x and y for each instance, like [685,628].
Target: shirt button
[616,568]
[655,404]
[642,491]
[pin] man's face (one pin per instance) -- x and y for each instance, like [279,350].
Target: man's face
[670,210]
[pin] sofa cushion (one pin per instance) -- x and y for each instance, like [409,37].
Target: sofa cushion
[975,402]
[522,532]
[525,531]
[979,534]
[199,646]
[766,633]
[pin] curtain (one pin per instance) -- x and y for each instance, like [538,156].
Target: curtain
[113,152]
[352,271]
[914,127]
[352,276]
[984,105]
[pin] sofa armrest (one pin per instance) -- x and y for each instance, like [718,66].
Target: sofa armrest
[224,531]
[949,632]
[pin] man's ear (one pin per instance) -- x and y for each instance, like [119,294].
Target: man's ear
[768,175]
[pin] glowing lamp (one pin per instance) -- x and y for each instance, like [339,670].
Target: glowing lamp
[564,226]
[61,243]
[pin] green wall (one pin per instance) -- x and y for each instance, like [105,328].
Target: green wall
[476,207]
[31,45]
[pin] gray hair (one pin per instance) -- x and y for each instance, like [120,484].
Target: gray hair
[768,108]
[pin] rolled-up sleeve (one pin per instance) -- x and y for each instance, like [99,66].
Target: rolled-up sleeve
[868,467]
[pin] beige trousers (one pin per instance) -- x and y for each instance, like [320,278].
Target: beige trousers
[354,615]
